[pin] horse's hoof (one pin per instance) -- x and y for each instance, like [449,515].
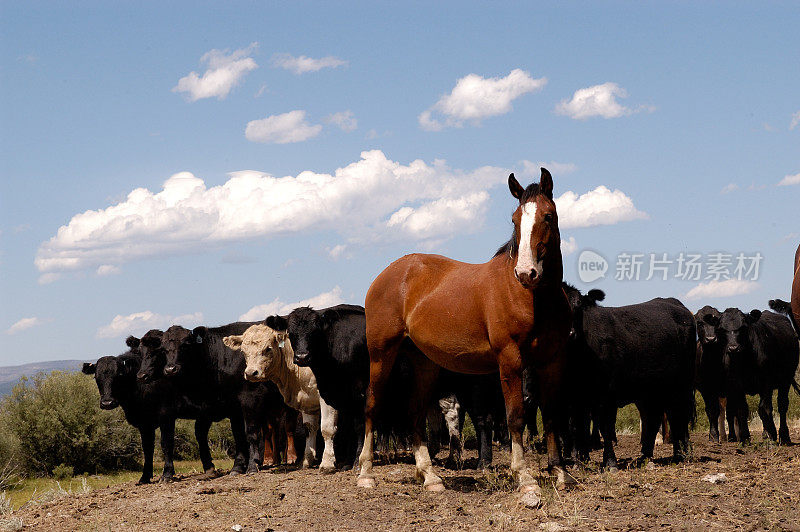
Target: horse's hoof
[366,482]
[437,485]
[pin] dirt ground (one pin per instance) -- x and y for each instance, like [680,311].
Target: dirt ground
[762,492]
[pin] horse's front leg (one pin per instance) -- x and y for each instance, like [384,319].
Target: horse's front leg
[510,366]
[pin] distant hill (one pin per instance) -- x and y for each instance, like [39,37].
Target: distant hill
[10,375]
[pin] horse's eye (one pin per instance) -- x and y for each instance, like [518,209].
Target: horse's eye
[548,217]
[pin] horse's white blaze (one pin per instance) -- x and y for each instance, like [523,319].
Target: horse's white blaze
[525,260]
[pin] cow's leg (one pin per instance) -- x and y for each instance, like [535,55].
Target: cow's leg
[201,428]
[255,445]
[765,413]
[434,424]
[148,446]
[425,374]
[272,454]
[355,439]
[288,424]
[676,427]
[240,443]
[167,449]
[329,419]
[723,406]
[783,407]
[382,355]
[742,418]
[665,432]
[311,422]
[483,430]
[607,414]
[651,417]
[713,413]
[453,418]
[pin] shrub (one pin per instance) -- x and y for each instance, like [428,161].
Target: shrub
[55,419]
[63,472]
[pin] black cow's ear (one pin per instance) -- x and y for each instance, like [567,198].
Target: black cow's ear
[132,342]
[278,323]
[546,183]
[514,186]
[88,368]
[596,295]
[755,315]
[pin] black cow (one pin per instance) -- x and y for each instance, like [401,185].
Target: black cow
[710,380]
[147,406]
[759,355]
[642,354]
[211,376]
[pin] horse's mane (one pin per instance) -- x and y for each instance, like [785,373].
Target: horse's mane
[512,247]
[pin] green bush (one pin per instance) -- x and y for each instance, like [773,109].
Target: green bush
[63,472]
[52,420]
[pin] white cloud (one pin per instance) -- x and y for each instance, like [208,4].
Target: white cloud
[730,187]
[337,251]
[600,206]
[475,98]
[790,180]
[728,288]
[373,200]
[260,312]
[598,100]
[568,246]
[795,120]
[344,120]
[48,278]
[108,269]
[557,169]
[139,323]
[224,72]
[303,64]
[23,324]
[281,129]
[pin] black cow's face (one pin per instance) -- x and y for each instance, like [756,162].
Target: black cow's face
[179,346]
[578,303]
[152,356]
[306,329]
[707,319]
[734,335]
[111,375]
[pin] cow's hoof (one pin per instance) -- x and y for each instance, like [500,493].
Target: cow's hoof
[142,481]
[565,481]
[234,473]
[531,499]
[166,479]
[366,482]
[436,485]
[327,470]
[208,474]
[251,470]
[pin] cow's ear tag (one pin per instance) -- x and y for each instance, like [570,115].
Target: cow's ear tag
[199,339]
[281,344]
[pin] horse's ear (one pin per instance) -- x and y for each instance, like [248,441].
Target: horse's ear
[88,368]
[277,323]
[514,186]
[546,183]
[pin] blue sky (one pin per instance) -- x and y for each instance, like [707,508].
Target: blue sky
[317,142]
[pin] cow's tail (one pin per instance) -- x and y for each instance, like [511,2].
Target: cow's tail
[691,374]
[782,307]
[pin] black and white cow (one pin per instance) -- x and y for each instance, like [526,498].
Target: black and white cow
[642,354]
[759,355]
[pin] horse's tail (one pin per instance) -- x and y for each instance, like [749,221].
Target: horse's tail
[782,307]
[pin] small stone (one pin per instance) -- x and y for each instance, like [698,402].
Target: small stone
[531,500]
[715,478]
[237,528]
[552,526]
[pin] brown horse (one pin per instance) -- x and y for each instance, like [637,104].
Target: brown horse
[476,318]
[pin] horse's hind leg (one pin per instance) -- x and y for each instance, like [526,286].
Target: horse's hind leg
[381,359]
[425,373]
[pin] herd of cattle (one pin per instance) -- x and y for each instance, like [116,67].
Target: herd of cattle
[515,338]
[294,375]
